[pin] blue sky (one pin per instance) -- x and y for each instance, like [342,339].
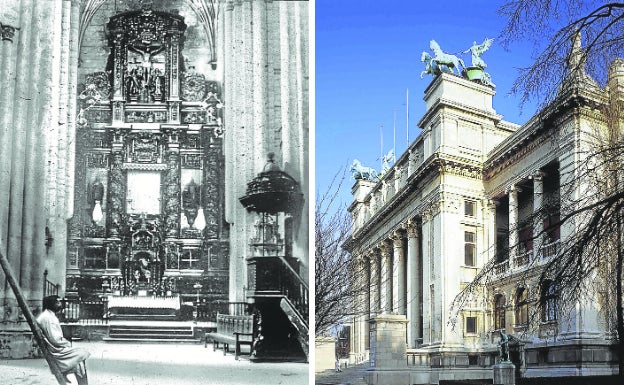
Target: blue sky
[368,53]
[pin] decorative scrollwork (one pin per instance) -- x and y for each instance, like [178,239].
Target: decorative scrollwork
[193,86]
[97,86]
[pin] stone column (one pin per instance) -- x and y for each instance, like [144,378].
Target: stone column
[386,278]
[414,285]
[172,186]
[538,201]
[259,66]
[375,300]
[364,318]
[513,224]
[398,274]
[491,213]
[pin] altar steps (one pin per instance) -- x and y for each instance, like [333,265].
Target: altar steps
[151,333]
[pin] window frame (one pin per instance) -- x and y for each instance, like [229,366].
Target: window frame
[473,245]
[549,300]
[521,312]
[499,311]
[475,324]
[473,205]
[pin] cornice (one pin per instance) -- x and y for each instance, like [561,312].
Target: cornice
[574,102]
[435,164]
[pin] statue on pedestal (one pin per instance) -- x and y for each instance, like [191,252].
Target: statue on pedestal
[503,345]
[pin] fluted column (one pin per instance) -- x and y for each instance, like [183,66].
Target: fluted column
[24,91]
[398,274]
[414,284]
[7,93]
[259,63]
[538,202]
[386,278]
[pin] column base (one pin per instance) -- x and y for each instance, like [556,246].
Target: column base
[18,344]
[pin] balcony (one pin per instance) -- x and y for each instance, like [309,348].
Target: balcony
[526,258]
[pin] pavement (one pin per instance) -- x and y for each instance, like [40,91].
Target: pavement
[352,375]
[159,364]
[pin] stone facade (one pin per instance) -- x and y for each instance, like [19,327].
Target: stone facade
[460,199]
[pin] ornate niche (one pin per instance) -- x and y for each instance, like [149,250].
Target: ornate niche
[146,48]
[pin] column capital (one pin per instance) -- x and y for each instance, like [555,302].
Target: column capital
[397,239]
[538,175]
[385,249]
[7,32]
[492,203]
[412,228]
[513,188]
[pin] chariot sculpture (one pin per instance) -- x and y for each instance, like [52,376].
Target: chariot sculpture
[444,62]
[361,172]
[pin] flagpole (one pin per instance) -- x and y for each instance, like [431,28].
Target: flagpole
[407,115]
[394,133]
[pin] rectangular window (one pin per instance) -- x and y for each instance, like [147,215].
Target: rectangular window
[469,248]
[471,325]
[470,208]
[473,360]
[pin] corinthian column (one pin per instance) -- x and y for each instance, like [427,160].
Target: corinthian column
[386,281]
[513,225]
[398,274]
[538,201]
[414,285]
[375,300]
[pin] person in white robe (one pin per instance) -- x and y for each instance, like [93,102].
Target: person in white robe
[71,360]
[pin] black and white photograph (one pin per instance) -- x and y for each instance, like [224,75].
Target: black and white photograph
[154,192]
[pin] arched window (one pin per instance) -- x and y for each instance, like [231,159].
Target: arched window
[549,299]
[522,307]
[499,311]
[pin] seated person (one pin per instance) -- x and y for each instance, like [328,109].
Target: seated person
[71,360]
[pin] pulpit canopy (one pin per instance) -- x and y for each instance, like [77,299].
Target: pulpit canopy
[272,191]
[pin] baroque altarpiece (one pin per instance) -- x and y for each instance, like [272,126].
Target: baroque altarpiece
[148,216]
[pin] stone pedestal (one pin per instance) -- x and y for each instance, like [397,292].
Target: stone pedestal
[325,354]
[504,373]
[388,350]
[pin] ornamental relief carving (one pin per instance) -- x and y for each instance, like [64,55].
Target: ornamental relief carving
[144,147]
[192,161]
[193,86]
[7,32]
[172,195]
[97,88]
[97,160]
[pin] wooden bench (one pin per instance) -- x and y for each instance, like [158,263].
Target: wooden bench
[232,329]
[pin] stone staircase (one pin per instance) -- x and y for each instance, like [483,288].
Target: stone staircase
[146,331]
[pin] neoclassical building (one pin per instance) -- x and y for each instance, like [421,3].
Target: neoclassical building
[461,198]
[131,131]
